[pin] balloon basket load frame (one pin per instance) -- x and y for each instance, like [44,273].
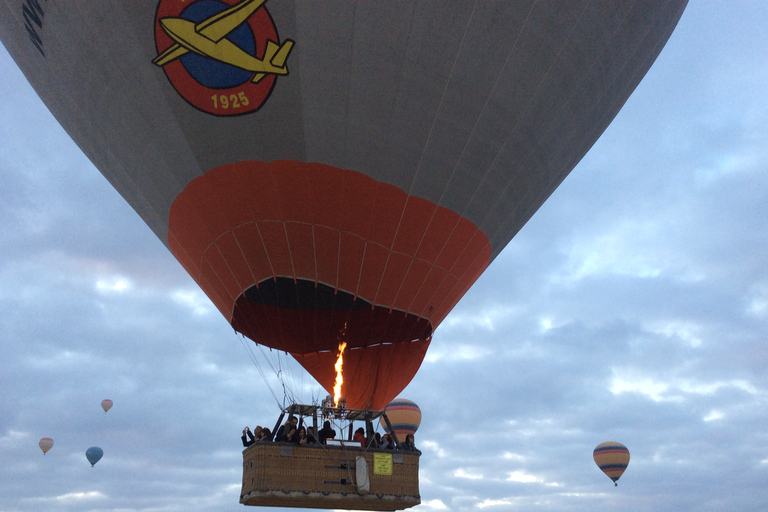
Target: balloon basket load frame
[338,475]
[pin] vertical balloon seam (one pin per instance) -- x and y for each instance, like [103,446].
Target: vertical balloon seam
[528,156]
[225,268]
[611,110]
[488,97]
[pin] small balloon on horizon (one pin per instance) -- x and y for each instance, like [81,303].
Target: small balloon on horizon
[106,405]
[612,458]
[46,443]
[94,455]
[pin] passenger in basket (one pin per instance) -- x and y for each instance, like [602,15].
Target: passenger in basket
[311,437]
[408,444]
[293,436]
[257,435]
[387,443]
[360,437]
[266,435]
[301,436]
[326,432]
[284,430]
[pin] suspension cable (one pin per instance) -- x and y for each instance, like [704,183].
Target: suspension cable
[255,362]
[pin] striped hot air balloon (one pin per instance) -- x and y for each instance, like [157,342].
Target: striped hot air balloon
[45,444]
[612,459]
[404,416]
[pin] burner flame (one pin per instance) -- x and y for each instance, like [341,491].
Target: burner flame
[339,378]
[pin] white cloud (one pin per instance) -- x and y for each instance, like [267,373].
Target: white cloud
[674,389]
[80,496]
[688,332]
[63,358]
[523,477]
[758,306]
[456,353]
[434,448]
[468,474]
[14,437]
[232,488]
[495,503]
[513,456]
[645,386]
[486,320]
[714,415]
[758,301]
[725,166]
[615,252]
[710,388]
[436,504]
[195,300]
[113,284]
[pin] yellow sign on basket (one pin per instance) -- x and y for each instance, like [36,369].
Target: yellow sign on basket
[382,463]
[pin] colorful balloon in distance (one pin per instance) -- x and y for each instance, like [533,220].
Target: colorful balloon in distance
[106,404]
[360,203]
[94,455]
[45,444]
[612,458]
[404,416]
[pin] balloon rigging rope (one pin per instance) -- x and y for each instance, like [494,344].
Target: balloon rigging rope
[289,381]
[255,362]
[286,379]
[279,373]
[283,370]
[292,377]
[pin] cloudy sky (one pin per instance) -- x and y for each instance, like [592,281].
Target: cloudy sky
[633,307]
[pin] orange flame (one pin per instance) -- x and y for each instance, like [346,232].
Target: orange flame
[339,379]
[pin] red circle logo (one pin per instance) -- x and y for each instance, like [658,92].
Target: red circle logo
[222,56]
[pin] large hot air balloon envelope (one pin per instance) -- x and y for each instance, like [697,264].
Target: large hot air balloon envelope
[336,169]
[106,404]
[612,459]
[46,443]
[94,455]
[404,416]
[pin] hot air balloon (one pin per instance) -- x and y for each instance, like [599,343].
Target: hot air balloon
[346,168]
[270,468]
[404,416]
[46,443]
[612,458]
[338,170]
[94,455]
[106,405]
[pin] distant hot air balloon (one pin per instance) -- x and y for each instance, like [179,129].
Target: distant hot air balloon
[404,416]
[612,458]
[94,454]
[329,167]
[106,404]
[45,444]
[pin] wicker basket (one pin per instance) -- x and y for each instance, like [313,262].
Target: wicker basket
[316,476]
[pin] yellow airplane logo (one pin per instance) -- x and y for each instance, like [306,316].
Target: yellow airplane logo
[208,39]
